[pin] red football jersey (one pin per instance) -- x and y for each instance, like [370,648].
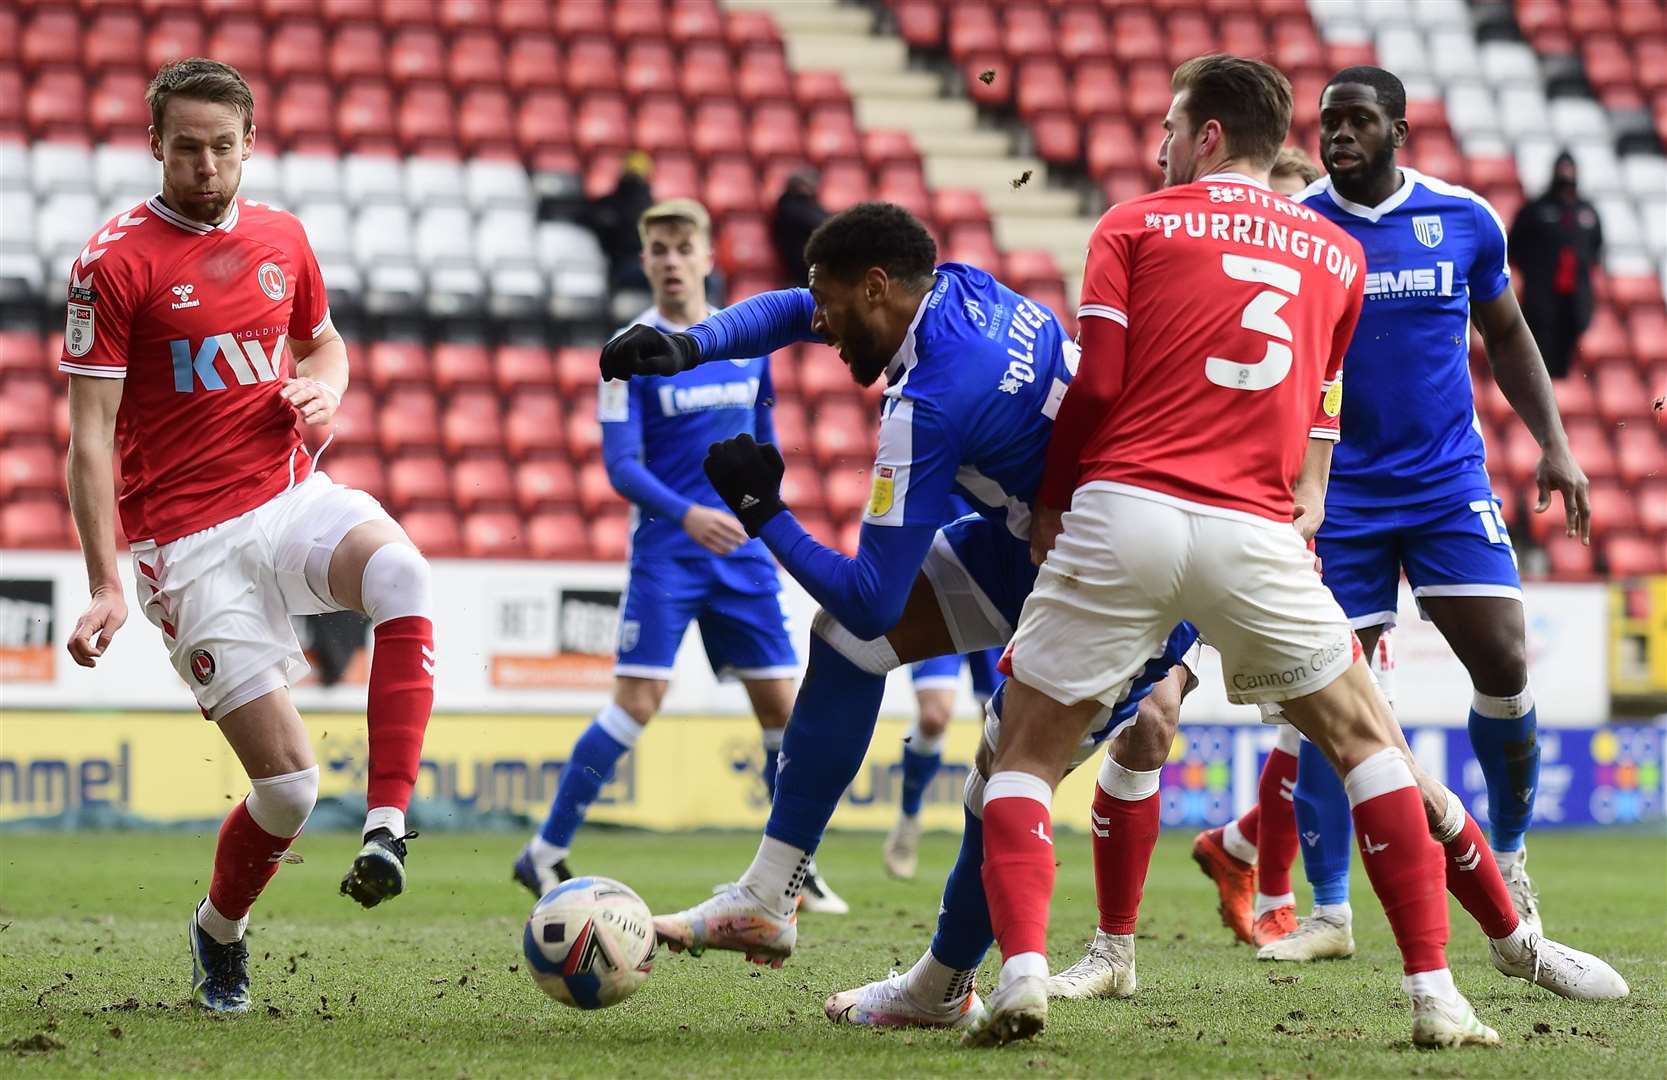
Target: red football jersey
[1238,305]
[196,319]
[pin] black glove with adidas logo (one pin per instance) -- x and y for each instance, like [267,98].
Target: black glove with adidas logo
[747,476]
[643,350]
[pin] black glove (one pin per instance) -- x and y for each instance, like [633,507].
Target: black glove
[643,350]
[747,476]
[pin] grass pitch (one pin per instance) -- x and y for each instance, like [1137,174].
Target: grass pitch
[94,973]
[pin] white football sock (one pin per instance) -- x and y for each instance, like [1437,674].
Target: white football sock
[217,926]
[1237,844]
[1021,965]
[1437,984]
[777,874]
[1266,903]
[1514,944]
[1340,914]
[1508,860]
[545,853]
[936,985]
[385,817]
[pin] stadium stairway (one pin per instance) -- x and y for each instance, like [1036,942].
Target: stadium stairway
[957,151]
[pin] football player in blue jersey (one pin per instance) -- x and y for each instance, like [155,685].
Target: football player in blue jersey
[936,683]
[691,561]
[975,373]
[1409,489]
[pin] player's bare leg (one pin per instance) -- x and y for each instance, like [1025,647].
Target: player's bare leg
[1487,635]
[269,740]
[376,570]
[1351,723]
[1123,825]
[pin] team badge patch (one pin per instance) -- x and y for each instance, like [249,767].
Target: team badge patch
[202,666]
[78,332]
[1428,231]
[271,278]
[1333,403]
[880,494]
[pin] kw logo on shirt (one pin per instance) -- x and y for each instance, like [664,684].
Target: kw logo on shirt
[248,360]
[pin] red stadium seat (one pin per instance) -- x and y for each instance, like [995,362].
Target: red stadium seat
[23,350]
[543,121]
[117,110]
[534,63]
[920,23]
[30,469]
[1136,36]
[514,20]
[801,489]
[423,120]
[719,128]
[763,77]
[410,419]
[356,424]
[1605,339]
[841,431]
[1642,454]
[1574,396]
[745,29]
[650,67]
[482,483]
[461,366]
[694,22]
[532,435]
[973,31]
[416,55]
[50,38]
[466,15]
[485,122]
[1590,443]
[1614,509]
[11,28]
[959,206]
[973,244]
[1028,32]
[545,485]
[988,79]
[574,20]
[398,363]
[744,246]
[435,532]
[775,133]
[595,492]
[1648,331]
[610,537]
[357,51]
[637,21]
[108,42]
[402,13]
[418,482]
[813,88]
[1651,500]
[591,65]
[601,123]
[1058,138]
[706,72]
[476,59]
[472,422]
[731,186]
[1635,556]
[296,47]
[36,523]
[1084,34]
[1569,558]
[1042,88]
[241,42]
[1148,92]
[359,470]
[584,431]
[56,105]
[365,114]
[846,490]
[659,124]
[575,367]
[1621,394]
[559,535]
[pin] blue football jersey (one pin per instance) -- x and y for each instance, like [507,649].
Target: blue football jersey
[673,419]
[973,392]
[1409,428]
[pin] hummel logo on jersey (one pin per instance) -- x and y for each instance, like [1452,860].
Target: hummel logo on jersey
[249,361]
[1371,848]
[1469,860]
[1041,833]
[1310,838]
[182,297]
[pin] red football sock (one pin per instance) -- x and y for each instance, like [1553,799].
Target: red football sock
[1401,859]
[1018,868]
[245,858]
[1250,823]
[401,698]
[1276,838]
[1473,877]
[1125,832]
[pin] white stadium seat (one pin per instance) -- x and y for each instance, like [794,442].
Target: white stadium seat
[17,220]
[1620,219]
[341,276]
[329,228]
[505,238]
[518,291]
[562,243]
[432,182]
[1600,173]
[1470,111]
[373,180]
[1522,112]
[578,293]
[14,165]
[1433,14]
[382,235]
[120,169]
[455,290]
[445,235]
[21,275]
[1579,120]
[64,224]
[1453,55]
[307,177]
[496,183]
[1534,158]
[55,168]
[1327,13]
[262,180]
[1401,49]
[1645,176]
[393,287]
[1508,62]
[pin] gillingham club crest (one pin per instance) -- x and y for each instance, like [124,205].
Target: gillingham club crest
[271,278]
[1428,231]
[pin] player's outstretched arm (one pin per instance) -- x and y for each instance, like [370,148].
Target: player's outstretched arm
[93,403]
[320,378]
[1520,372]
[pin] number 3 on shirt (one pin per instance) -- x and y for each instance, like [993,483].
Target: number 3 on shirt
[1262,316]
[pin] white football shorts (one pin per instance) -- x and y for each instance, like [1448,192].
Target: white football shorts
[223,597]
[1131,563]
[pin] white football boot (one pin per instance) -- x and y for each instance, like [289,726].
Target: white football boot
[1524,898]
[902,850]
[888,1003]
[1106,970]
[817,897]
[1017,1011]
[1447,1022]
[735,920]
[1317,937]
[1566,972]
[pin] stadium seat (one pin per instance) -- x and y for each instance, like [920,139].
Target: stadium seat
[557,534]
[108,41]
[409,420]
[543,485]
[482,483]
[435,532]
[584,431]
[846,491]
[296,47]
[1635,556]
[594,491]
[419,482]
[357,469]
[1641,454]
[398,363]
[30,469]
[534,63]
[1570,559]
[610,537]
[1651,501]
[36,523]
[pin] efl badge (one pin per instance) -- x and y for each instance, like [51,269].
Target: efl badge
[78,334]
[880,495]
[202,666]
[271,279]
[1428,231]
[1333,403]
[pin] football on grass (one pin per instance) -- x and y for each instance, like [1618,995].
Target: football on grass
[590,942]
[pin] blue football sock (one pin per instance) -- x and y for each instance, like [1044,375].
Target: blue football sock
[826,741]
[589,767]
[964,934]
[1324,824]
[771,758]
[1503,736]
[918,771]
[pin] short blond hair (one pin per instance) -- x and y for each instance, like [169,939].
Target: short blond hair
[675,212]
[1294,161]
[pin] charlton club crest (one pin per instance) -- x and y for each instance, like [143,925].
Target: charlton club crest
[271,278]
[1428,231]
[202,666]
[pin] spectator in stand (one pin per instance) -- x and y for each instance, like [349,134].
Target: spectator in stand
[797,214]
[613,218]
[1292,171]
[1555,242]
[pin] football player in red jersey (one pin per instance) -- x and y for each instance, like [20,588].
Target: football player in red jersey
[1215,318]
[184,315]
